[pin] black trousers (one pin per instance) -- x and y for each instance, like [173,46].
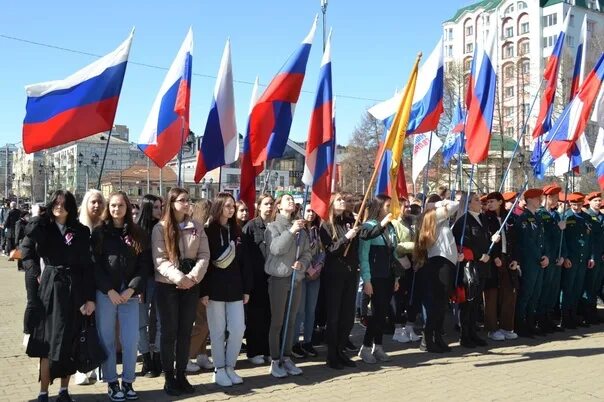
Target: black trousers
[340,296]
[257,323]
[177,310]
[380,305]
[436,279]
[407,298]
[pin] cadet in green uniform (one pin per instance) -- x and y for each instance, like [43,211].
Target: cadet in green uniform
[533,258]
[553,226]
[594,276]
[578,246]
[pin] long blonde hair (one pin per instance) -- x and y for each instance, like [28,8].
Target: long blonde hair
[425,236]
[84,216]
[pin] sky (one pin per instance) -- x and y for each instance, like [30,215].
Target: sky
[374,44]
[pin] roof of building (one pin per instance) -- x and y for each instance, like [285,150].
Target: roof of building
[138,171]
[508,143]
[578,3]
[485,4]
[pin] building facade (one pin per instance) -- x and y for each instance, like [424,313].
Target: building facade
[6,169]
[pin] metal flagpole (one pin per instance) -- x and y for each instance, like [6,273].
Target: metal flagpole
[98,183]
[425,183]
[465,220]
[182,140]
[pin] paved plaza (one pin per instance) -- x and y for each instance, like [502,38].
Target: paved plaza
[562,367]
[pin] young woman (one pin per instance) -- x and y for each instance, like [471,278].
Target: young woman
[436,254]
[340,279]
[476,242]
[310,287]
[225,289]
[150,214]
[242,213]
[121,261]
[288,254]
[90,215]
[376,257]
[61,293]
[500,289]
[198,353]
[258,309]
[181,255]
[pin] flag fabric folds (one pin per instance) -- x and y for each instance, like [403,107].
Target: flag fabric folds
[167,125]
[220,143]
[598,157]
[579,70]
[579,153]
[427,99]
[383,180]
[421,144]
[453,144]
[271,118]
[320,146]
[480,99]
[249,172]
[395,139]
[550,75]
[81,105]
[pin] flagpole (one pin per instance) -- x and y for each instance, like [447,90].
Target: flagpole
[425,183]
[457,182]
[182,139]
[98,183]
[564,207]
[465,220]
[522,135]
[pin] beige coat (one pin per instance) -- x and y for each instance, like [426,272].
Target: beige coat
[193,245]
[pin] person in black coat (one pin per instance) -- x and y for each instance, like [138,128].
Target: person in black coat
[10,222]
[121,255]
[56,255]
[258,309]
[476,242]
[20,234]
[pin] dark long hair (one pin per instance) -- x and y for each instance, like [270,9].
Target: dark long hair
[146,221]
[69,204]
[171,233]
[216,213]
[376,207]
[131,229]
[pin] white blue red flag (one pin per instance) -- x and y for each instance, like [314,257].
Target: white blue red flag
[167,125]
[220,143]
[579,153]
[383,180]
[572,121]
[454,141]
[320,146]
[598,157]
[480,99]
[425,146]
[427,99]
[271,118]
[579,70]
[550,75]
[81,105]
[249,172]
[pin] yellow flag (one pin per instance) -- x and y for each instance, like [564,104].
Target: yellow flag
[396,136]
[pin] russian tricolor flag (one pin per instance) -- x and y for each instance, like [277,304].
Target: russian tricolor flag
[167,125]
[220,143]
[598,157]
[272,115]
[454,141]
[550,74]
[249,172]
[427,99]
[320,146]
[481,99]
[81,105]
[383,180]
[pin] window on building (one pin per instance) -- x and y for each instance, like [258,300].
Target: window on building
[509,131]
[469,30]
[524,48]
[522,5]
[467,64]
[525,109]
[450,33]
[508,51]
[469,47]
[509,32]
[509,10]
[550,19]
[571,41]
[591,25]
[508,71]
[282,181]
[549,41]
[232,179]
[450,51]
[508,91]
[525,66]
[571,20]
[524,28]
[592,4]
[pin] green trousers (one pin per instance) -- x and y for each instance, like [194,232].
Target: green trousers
[550,292]
[531,284]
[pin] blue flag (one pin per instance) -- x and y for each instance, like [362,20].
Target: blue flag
[454,143]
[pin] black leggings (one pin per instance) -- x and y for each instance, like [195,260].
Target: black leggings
[380,302]
[436,278]
[340,294]
[177,310]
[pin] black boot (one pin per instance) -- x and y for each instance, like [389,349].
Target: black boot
[522,330]
[345,360]
[183,384]
[531,326]
[147,365]
[171,386]
[465,339]
[332,360]
[554,327]
[439,340]
[475,338]
[429,342]
[155,366]
[566,321]
[544,323]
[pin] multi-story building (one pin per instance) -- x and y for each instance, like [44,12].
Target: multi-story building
[526,33]
[138,180]
[6,169]
[28,177]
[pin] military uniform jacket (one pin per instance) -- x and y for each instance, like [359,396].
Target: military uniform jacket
[530,237]
[578,236]
[597,234]
[550,220]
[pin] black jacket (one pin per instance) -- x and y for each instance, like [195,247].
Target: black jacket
[20,230]
[477,239]
[225,284]
[335,261]
[116,264]
[10,222]
[510,254]
[254,252]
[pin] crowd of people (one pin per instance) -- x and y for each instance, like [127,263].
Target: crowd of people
[164,278]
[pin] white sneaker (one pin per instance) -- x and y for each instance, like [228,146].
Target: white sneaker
[204,362]
[509,334]
[291,367]
[81,378]
[192,367]
[222,378]
[496,335]
[400,336]
[276,370]
[379,354]
[411,333]
[366,355]
[257,360]
[233,376]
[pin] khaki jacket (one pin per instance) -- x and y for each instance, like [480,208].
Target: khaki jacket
[193,245]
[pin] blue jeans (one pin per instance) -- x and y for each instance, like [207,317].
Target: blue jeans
[127,315]
[146,311]
[306,309]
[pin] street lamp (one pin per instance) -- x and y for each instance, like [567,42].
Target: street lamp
[94,160]
[206,186]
